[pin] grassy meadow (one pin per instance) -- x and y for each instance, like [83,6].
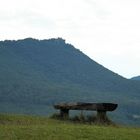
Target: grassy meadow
[19,127]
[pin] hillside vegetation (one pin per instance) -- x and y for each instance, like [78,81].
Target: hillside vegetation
[35,74]
[14,127]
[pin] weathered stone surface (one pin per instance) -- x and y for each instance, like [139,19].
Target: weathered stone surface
[87,106]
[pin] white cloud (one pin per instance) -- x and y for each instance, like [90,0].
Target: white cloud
[108,31]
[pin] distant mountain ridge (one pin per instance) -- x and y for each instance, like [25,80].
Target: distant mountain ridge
[136,78]
[35,74]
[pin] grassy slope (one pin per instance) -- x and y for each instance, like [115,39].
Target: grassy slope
[36,128]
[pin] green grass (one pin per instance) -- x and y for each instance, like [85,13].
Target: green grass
[19,127]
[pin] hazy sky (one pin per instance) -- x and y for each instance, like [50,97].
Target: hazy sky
[106,30]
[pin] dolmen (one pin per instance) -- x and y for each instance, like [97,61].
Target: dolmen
[101,108]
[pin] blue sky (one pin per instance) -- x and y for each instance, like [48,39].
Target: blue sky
[106,30]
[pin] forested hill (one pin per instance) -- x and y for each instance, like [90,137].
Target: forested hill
[62,63]
[37,73]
